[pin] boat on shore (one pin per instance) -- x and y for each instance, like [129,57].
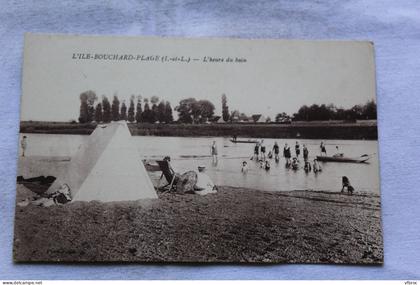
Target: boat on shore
[342,158]
[244,141]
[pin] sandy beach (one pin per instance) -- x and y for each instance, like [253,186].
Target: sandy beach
[234,225]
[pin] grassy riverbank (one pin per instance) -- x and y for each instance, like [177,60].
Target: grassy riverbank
[305,130]
[234,225]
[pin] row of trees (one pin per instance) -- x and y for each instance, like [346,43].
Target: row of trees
[195,111]
[192,111]
[105,111]
[330,112]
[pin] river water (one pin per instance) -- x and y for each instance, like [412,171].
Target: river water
[187,153]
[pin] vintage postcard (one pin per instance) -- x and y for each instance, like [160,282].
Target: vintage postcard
[197,150]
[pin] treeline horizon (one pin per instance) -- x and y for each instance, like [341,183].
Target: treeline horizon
[325,112]
[105,111]
[193,111]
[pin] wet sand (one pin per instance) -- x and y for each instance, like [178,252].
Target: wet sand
[234,225]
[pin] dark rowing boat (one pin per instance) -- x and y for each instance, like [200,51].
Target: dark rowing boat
[243,141]
[338,158]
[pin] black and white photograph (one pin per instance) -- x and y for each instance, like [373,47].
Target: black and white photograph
[137,149]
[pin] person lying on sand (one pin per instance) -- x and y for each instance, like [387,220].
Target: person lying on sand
[204,184]
[60,197]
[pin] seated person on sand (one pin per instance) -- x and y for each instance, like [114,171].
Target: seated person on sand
[204,184]
[59,197]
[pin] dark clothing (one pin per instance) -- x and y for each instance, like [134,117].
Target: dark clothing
[305,153]
[297,149]
[323,149]
[346,181]
[276,149]
[256,149]
[263,149]
[286,153]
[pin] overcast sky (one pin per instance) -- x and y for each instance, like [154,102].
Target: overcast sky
[278,76]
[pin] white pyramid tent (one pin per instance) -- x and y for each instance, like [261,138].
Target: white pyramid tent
[107,168]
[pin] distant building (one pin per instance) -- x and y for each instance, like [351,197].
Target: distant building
[234,117]
[216,120]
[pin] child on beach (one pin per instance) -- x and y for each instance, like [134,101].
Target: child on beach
[204,183]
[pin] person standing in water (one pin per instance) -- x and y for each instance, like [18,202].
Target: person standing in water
[305,153]
[256,151]
[297,149]
[245,167]
[287,155]
[262,146]
[276,151]
[316,166]
[214,152]
[24,145]
[323,149]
